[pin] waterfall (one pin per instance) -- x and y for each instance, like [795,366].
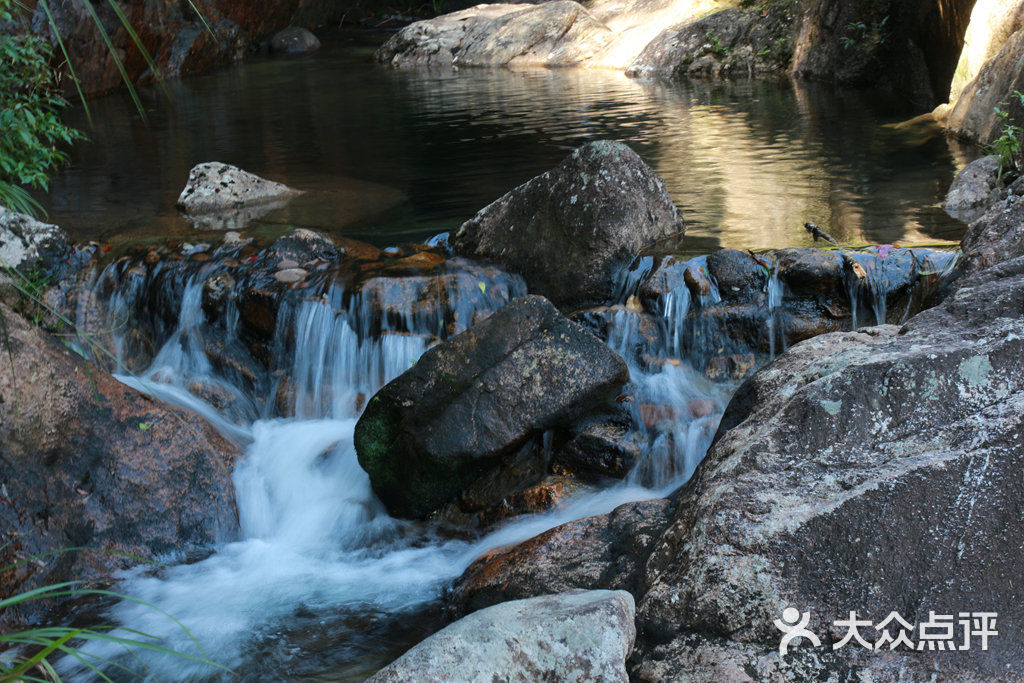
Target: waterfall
[316,549]
[774,292]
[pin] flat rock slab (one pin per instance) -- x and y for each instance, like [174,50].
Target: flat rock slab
[559,33]
[574,636]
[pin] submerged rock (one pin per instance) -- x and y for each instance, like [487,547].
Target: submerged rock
[578,635]
[86,462]
[571,230]
[473,401]
[557,33]
[223,197]
[974,189]
[294,40]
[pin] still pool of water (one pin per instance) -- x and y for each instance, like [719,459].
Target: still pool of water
[397,156]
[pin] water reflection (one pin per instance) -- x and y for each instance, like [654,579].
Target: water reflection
[393,156]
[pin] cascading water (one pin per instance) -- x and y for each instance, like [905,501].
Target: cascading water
[314,539]
[317,551]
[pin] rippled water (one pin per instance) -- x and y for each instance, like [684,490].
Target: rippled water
[394,156]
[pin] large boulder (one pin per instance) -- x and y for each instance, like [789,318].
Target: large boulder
[86,462]
[997,235]
[872,472]
[907,49]
[557,33]
[573,636]
[732,42]
[571,230]
[992,23]
[973,117]
[223,197]
[974,189]
[470,404]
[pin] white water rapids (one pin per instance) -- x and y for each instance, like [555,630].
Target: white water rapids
[317,552]
[314,538]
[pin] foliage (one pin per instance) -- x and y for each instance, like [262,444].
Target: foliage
[1008,145]
[716,44]
[865,36]
[27,654]
[32,136]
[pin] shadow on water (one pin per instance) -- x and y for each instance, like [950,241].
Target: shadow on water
[393,156]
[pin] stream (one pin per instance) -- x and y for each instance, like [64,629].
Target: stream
[322,583]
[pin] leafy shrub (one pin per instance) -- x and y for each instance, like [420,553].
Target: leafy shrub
[32,136]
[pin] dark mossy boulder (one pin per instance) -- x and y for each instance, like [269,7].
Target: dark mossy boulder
[472,402]
[571,230]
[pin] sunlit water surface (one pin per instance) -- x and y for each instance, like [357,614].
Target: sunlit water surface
[391,156]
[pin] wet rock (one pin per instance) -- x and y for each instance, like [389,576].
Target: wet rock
[222,197]
[198,47]
[667,274]
[543,496]
[605,551]
[500,492]
[974,189]
[733,366]
[558,33]
[810,272]
[731,42]
[637,333]
[87,462]
[470,402]
[739,275]
[27,244]
[216,293]
[301,246]
[290,276]
[846,451]
[571,230]
[569,636]
[603,446]
[294,40]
